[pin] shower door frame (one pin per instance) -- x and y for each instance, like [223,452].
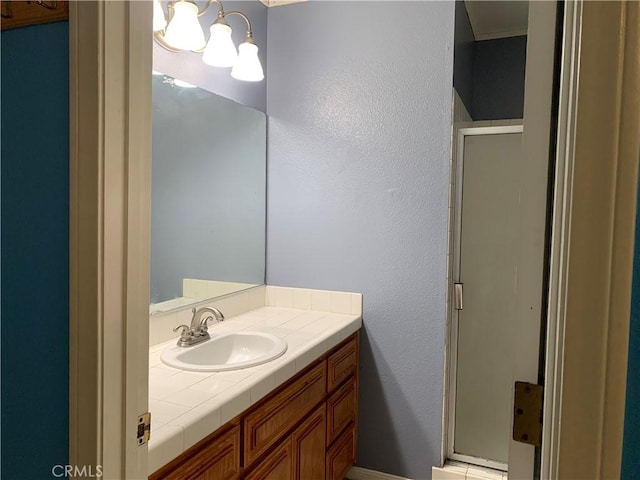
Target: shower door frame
[456,242]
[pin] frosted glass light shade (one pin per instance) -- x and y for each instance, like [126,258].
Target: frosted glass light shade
[184,31]
[159,20]
[220,50]
[247,67]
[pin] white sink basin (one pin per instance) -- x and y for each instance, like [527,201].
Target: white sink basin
[230,351]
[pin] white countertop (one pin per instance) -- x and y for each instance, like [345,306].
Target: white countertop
[187,406]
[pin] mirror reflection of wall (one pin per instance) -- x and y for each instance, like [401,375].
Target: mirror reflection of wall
[208,196]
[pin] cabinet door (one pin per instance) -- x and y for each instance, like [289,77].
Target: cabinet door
[278,465]
[309,447]
[341,455]
[226,466]
[218,459]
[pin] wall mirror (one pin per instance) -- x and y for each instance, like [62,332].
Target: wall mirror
[207,196]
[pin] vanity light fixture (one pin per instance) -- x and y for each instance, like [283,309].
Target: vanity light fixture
[179,30]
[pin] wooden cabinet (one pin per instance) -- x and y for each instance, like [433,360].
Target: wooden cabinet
[275,415]
[341,409]
[341,455]
[215,458]
[309,447]
[20,13]
[277,466]
[304,430]
[342,363]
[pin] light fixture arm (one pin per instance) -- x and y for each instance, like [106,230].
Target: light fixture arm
[208,4]
[246,19]
[161,41]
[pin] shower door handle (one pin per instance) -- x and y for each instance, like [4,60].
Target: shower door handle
[457,294]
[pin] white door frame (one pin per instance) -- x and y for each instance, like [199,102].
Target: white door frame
[458,172]
[537,148]
[110,150]
[593,241]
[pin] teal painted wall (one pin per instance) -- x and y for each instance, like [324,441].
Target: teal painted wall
[34,172]
[631,447]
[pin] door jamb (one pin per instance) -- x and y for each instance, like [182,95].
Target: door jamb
[110,142]
[594,244]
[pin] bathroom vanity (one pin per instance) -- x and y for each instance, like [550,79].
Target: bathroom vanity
[305,429]
[292,418]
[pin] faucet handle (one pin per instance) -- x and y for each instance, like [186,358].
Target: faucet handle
[185,333]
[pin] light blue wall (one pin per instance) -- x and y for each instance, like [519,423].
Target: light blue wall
[631,448]
[34,251]
[188,66]
[359,104]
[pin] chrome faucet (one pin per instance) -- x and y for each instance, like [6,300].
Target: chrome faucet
[198,331]
[199,322]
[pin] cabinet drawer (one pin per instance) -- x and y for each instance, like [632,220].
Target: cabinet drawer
[218,459]
[342,363]
[341,456]
[266,423]
[341,409]
[277,466]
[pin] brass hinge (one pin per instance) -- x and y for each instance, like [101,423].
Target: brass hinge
[527,413]
[144,428]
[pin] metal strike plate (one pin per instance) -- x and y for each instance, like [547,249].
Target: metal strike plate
[527,413]
[144,428]
[457,291]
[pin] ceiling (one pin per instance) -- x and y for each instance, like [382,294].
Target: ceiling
[277,3]
[497,19]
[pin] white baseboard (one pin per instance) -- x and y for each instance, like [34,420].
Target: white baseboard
[358,473]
